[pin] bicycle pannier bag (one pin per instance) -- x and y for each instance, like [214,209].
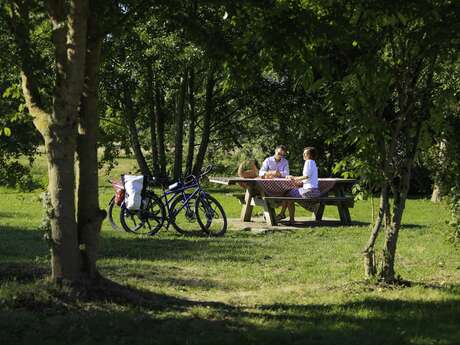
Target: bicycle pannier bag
[133,188]
[119,196]
[119,191]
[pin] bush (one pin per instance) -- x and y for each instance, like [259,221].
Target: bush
[15,175]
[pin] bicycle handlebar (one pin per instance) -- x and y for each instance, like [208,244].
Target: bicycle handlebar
[207,170]
[203,173]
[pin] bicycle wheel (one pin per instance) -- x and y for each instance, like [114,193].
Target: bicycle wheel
[113,212]
[148,220]
[183,218]
[211,215]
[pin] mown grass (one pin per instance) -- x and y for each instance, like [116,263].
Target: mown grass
[302,286]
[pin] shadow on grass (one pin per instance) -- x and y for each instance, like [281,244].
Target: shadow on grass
[24,245]
[17,245]
[115,314]
[22,272]
[323,223]
[7,215]
[180,249]
[414,226]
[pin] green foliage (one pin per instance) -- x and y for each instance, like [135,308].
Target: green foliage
[6,131]
[13,174]
[454,204]
[18,139]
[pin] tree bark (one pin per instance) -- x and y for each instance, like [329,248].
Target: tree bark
[179,128]
[436,194]
[160,126]
[58,127]
[192,122]
[130,121]
[89,215]
[152,116]
[408,143]
[370,267]
[61,143]
[399,188]
[206,132]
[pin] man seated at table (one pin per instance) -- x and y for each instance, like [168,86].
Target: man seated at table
[276,165]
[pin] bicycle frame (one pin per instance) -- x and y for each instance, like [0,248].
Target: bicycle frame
[185,198]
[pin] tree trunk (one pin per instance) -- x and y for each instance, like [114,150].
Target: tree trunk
[134,136]
[60,147]
[400,188]
[206,132]
[153,127]
[436,195]
[370,267]
[58,127]
[179,127]
[89,215]
[408,143]
[192,122]
[160,126]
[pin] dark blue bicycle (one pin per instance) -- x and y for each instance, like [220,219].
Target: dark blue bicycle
[184,204]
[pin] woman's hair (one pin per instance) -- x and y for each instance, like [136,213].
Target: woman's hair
[311,152]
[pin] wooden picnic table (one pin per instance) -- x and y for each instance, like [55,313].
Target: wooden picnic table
[269,193]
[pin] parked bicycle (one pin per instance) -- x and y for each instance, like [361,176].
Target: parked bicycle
[184,205]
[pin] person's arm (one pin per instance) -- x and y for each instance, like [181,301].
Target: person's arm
[304,174]
[285,171]
[264,169]
[307,170]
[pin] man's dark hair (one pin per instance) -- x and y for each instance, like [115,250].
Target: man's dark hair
[311,152]
[282,147]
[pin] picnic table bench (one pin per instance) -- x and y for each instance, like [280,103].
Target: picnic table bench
[270,193]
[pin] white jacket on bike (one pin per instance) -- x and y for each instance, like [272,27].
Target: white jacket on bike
[133,187]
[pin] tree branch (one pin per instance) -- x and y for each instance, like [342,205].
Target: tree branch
[19,25]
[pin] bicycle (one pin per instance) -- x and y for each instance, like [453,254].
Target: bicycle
[186,204]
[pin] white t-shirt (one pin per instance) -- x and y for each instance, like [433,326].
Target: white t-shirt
[311,171]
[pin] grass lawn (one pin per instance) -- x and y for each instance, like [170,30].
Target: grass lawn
[303,286]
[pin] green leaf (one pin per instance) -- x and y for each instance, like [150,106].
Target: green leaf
[7,131]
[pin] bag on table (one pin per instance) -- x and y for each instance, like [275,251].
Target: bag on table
[133,191]
[247,169]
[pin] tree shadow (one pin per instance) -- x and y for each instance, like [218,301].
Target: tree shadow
[323,223]
[24,245]
[6,215]
[406,226]
[22,272]
[17,245]
[111,313]
[207,249]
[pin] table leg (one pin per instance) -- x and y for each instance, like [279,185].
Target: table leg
[346,212]
[269,213]
[246,210]
[319,212]
[343,217]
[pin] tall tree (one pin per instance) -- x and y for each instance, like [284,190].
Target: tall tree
[57,121]
[179,126]
[89,216]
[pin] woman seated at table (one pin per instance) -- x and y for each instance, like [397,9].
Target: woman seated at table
[308,181]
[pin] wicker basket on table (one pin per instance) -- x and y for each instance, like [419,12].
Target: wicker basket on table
[247,169]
